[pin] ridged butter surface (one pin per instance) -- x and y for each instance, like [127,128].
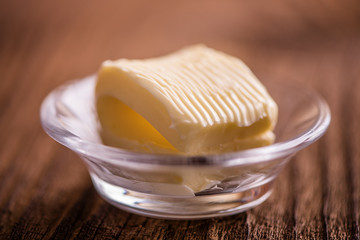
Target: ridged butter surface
[197,100]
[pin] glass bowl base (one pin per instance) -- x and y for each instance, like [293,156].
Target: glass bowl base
[174,207]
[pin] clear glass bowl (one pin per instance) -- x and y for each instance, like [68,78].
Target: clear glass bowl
[158,185]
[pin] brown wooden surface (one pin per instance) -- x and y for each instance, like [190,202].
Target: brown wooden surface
[45,190]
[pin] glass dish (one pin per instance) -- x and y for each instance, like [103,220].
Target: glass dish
[153,184]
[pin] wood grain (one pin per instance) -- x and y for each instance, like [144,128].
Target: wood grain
[45,190]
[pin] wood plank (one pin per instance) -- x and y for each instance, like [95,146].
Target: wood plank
[45,190]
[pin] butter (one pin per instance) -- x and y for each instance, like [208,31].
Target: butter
[194,101]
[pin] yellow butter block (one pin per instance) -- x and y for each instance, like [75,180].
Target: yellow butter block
[194,101]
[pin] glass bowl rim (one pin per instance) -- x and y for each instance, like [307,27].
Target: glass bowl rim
[116,156]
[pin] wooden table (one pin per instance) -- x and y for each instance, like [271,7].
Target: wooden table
[45,190]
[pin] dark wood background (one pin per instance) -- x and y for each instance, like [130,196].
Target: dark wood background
[45,190]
